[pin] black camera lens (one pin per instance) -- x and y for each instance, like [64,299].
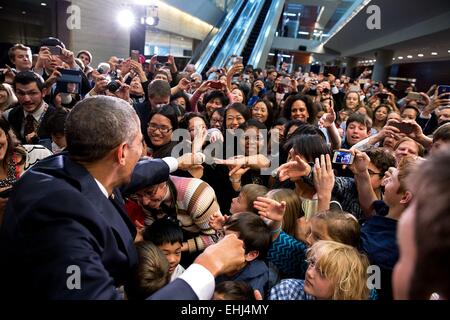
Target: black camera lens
[113,86]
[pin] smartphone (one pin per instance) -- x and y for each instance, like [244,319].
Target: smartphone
[235,80]
[135,55]
[382,96]
[54,50]
[162,59]
[404,127]
[443,89]
[414,96]
[343,157]
[216,85]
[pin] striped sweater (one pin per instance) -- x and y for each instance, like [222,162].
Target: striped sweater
[196,202]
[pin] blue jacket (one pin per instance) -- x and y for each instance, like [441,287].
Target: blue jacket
[57,219]
[255,274]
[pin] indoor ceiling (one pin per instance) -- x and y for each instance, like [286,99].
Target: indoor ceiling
[408,28]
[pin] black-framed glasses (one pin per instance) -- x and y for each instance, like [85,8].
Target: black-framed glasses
[163,129]
[373,173]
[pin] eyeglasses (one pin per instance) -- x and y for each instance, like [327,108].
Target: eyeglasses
[153,127]
[149,193]
[372,173]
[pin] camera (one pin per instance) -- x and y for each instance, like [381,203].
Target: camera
[113,85]
[69,82]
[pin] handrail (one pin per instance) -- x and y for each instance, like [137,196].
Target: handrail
[240,33]
[265,32]
[207,53]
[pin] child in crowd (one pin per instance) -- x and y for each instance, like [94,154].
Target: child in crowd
[151,273]
[244,201]
[233,290]
[168,236]
[256,235]
[335,272]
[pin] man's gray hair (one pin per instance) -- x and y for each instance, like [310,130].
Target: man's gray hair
[97,125]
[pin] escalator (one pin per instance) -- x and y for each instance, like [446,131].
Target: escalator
[256,30]
[209,55]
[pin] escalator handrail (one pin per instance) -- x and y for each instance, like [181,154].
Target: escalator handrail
[265,32]
[204,58]
[241,31]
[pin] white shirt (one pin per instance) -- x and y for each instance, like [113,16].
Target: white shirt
[197,276]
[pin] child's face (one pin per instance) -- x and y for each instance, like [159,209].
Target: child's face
[318,231]
[238,204]
[173,254]
[315,282]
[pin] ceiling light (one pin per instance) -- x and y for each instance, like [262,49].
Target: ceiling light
[434,53]
[393,58]
[400,58]
[409,57]
[24,12]
[304,33]
[125,18]
[43,4]
[420,55]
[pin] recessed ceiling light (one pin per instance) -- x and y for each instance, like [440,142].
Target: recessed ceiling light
[393,58]
[448,51]
[409,57]
[434,53]
[420,55]
[400,58]
[24,12]
[43,4]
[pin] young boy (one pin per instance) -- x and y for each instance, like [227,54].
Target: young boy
[168,236]
[256,235]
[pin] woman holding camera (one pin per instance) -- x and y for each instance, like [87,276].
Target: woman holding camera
[14,161]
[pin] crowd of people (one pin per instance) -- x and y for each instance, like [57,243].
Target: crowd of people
[135,180]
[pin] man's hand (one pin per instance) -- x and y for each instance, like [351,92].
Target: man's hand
[53,78]
[188,160]
[226,256]
[360,162]
[123,92]
[44,56]
[68,57]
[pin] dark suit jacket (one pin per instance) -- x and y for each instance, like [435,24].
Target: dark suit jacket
[57,217]
[16,118]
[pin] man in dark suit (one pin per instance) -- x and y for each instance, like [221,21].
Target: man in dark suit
[30,118]
[65,233]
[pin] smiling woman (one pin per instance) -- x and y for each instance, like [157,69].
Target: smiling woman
[14,160]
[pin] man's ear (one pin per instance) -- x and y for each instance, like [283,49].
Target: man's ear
[45,92]
[121,153]
[406,198]
[252,255]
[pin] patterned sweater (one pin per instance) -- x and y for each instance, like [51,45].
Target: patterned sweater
[196,202]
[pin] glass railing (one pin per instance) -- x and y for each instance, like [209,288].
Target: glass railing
[240,33]
[267,31]
[209,50]
[224,5]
